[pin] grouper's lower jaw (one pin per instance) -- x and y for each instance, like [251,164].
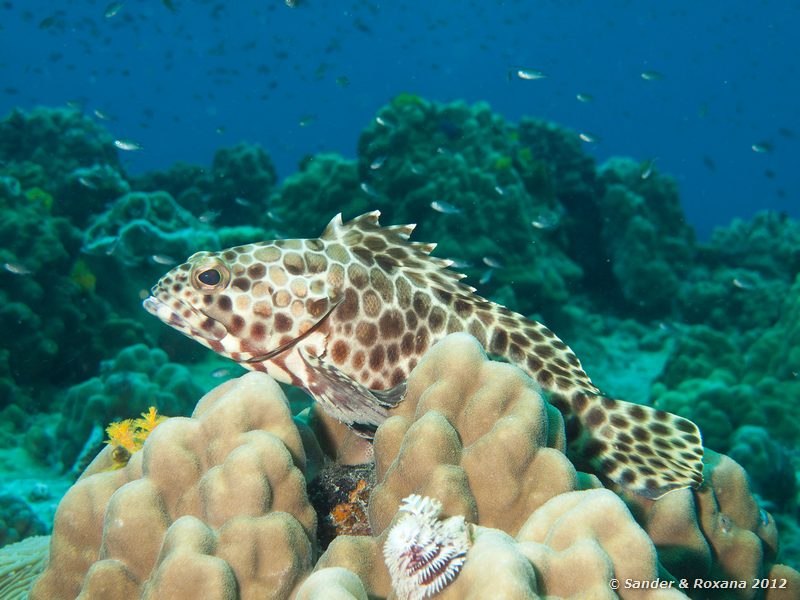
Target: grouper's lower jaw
[158,308]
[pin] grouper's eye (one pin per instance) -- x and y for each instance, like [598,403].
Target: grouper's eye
[210,277]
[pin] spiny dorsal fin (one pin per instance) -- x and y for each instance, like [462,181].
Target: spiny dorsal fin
[427,248]
[332,229]
[389,247]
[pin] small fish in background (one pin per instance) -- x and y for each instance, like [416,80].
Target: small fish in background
[17,268]
[589,138]
[530,74]
[101,115]
[273,216]
[667,327]
[377,162]
[500,191]
[486,277]
[221,372]
[112,10]
[208,216]
[307,120]
[128,145]
[652,76]
[492,262]
[342,81]
[646,168]
[48,22]
[368,189]
[162,259]
[220,130]
[743,283]
[383,122]
[243,202]
[445,207]
[585,98]
[86,182]
[761,148]
[291,3]
[546,220]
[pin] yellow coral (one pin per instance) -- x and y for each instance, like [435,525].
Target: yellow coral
[146,424]
[121,433]
[128,436]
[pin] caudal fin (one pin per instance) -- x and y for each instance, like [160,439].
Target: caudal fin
[647,451]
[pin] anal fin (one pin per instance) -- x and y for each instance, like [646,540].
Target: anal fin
[647,451]
[345,399]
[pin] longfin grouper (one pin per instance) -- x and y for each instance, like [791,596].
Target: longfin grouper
[348,315]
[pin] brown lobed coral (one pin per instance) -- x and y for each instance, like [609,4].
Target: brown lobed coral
[477,436]
[215,506]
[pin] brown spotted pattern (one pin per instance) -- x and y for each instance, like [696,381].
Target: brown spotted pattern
[368,304]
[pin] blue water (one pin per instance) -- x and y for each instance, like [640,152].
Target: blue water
[213,73]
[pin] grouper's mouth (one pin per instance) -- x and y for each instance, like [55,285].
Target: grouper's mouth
[159,308]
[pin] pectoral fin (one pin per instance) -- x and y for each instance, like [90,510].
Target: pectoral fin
[345,399]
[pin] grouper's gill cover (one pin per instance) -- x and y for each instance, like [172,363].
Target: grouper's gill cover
[348,315]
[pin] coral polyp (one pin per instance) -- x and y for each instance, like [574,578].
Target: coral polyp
[423,553]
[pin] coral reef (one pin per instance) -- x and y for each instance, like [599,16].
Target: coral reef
[86,191]
[646,237]
[741,276]
[723,382]
[769,244]
[20,564]
[715,533]
[140,225]
[243,177]
[214,507]
[420,451]
[44,145]
[137,378]
[325,184]
[223,490]
[437,447]
[208,495]
[234,191]
[769,464]
[49,306]
[17,520]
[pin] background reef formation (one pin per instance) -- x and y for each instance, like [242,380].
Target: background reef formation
[217,504]
[600,253]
